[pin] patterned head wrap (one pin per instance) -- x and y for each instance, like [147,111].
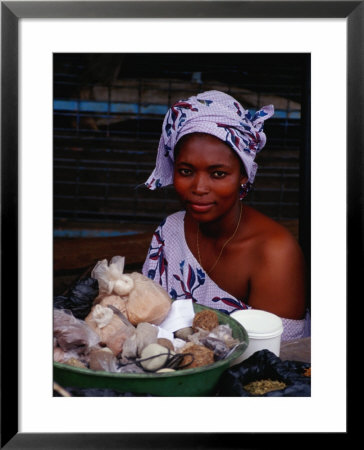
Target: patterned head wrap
[215,113]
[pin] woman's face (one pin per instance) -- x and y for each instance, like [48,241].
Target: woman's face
[207,176]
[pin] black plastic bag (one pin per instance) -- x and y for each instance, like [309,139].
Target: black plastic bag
[263,365]
[80,299]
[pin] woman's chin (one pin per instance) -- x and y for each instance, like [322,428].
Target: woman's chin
[201,217]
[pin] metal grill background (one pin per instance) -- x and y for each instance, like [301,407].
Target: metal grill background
[108,112]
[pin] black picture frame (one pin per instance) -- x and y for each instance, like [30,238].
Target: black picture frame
[11,12]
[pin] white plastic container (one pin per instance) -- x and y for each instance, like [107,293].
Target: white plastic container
[264,330]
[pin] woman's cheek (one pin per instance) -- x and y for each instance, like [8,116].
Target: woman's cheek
[227,189]
[180,185]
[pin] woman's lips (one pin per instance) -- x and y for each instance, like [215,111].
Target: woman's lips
[200,207]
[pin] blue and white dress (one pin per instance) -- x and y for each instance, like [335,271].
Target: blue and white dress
[171,263]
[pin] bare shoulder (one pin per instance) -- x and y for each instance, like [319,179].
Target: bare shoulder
[277,267]
[270,239]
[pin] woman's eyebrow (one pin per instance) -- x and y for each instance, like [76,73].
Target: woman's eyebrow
[213,166]
[219,166]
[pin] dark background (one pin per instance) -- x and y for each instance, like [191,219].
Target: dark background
[108,113]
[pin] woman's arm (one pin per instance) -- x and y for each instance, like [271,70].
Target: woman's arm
[278,280]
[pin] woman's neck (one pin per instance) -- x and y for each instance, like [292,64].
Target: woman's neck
[224,226]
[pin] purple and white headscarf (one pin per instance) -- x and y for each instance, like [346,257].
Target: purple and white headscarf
[215,113]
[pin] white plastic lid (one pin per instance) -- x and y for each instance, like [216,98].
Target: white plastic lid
[259,324]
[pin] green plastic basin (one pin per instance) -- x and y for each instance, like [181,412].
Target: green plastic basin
[200,381]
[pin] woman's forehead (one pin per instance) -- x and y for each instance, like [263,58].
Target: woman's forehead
[201,146]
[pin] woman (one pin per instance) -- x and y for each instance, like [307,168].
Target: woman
[219,251]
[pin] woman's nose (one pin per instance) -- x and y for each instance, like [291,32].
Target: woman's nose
[200,185]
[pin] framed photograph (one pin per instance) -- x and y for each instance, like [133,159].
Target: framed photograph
[31,34]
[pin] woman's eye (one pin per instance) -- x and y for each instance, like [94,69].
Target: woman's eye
[185,172]
[219,174]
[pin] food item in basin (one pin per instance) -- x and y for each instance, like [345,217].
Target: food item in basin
[183,333]
[72,334]
[154,357]
[103,359]
[148,301]
[111,329]
[138,297]
[116,301]
[201,356]
[110,277]
[205,320]
[166,343]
